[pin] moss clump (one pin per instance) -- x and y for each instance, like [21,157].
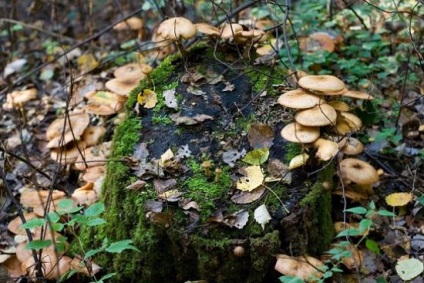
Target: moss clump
[263,78]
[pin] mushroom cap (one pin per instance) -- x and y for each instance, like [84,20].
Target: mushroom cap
[299,99]
[348,122]
[303,267]
[295,132]
[146,69]
[358,171]
[122,86]
[320,115]
[339,105]
[177,28]
[351,146]
[62,131]
[92,135]
[325,40]
[17,97]
[207,29]
[324,84]
[132,23]
[132,70]
[298,160]
[14,226]
[358,95]
[326,149]
[231,30]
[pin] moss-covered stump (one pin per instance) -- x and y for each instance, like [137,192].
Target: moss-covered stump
[186,220]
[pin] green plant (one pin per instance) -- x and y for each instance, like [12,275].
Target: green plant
[76,218]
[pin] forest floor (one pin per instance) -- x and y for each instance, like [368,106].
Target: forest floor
[35,36]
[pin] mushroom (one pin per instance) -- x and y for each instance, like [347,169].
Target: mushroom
[358,95]
[351,146]
[64,130]
[231,30]
[358,171]
[347,122]
[132,23]
[132,70]
[339,105]
[295,132]
[299,99]
[326,149]
[207,29]
[18,97]
[146,70]
[320,115]
[122,86]
[298,160]
[176,29]
[238,251]
[316,42]
[322,84]
[304,267]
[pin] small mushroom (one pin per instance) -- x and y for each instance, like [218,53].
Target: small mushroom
[122,86]
[133,23]
[206,165]
[358,95]
[295,132]
[358,171]
[322,84]
[351,146]
[132,70]
[320,115]
[299,99]
[239,251]
[326,149]
[146,70]
[176,29]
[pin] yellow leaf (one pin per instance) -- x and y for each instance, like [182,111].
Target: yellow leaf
[253,178]
[298,160]
[148,98]
[398,199]
[87,62]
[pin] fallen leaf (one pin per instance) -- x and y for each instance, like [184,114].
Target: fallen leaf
[260,135]
[14,67]
[245,197]
[231,156]
[183,152]
[87,62]
[228,86]
[171,195]
[136,186]
[298,161]
[237,219]
[148,98]
[161,185]
[185,120]
[253,178]
[167,156]
[170,99]
[153,205]
[257,156]
[409,269]
[262,215]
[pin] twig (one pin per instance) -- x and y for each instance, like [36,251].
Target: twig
[37,69]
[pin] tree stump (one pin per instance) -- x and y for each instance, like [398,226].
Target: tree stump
[189,220]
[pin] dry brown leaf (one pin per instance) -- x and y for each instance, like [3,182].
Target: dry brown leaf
[245,197]
[260,135]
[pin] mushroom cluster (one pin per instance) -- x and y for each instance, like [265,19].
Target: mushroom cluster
[322,119]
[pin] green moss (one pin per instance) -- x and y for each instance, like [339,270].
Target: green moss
[263,78]
[318,201]
[292,149]
[161,120]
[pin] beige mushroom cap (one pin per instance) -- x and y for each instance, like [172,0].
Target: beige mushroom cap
[207,29]
[231,30]
[122,86]
[63,130]
[320,115]
[132,23]
[351,146]
[339,105]
[132,70]
[324,84]
[303,267]
[299,99]
[326,149]
[348,122]
[177,28]
[298,133]
[146,69]
[358,95]
[358,171]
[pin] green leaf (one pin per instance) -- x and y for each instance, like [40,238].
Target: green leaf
[38,244]
[421,200]
[409,269]
[118,247]
[290,279]
[96,222]
[372,205]
[67,206]
[357,210]
[91,253]
[94,209]
[384,212]
[57,226]
[53,217]
[365,224]
[372,246]
[257,156]
[33,223]
[351,231]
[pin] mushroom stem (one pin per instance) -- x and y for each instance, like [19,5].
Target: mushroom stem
[181,49]
[218,173]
